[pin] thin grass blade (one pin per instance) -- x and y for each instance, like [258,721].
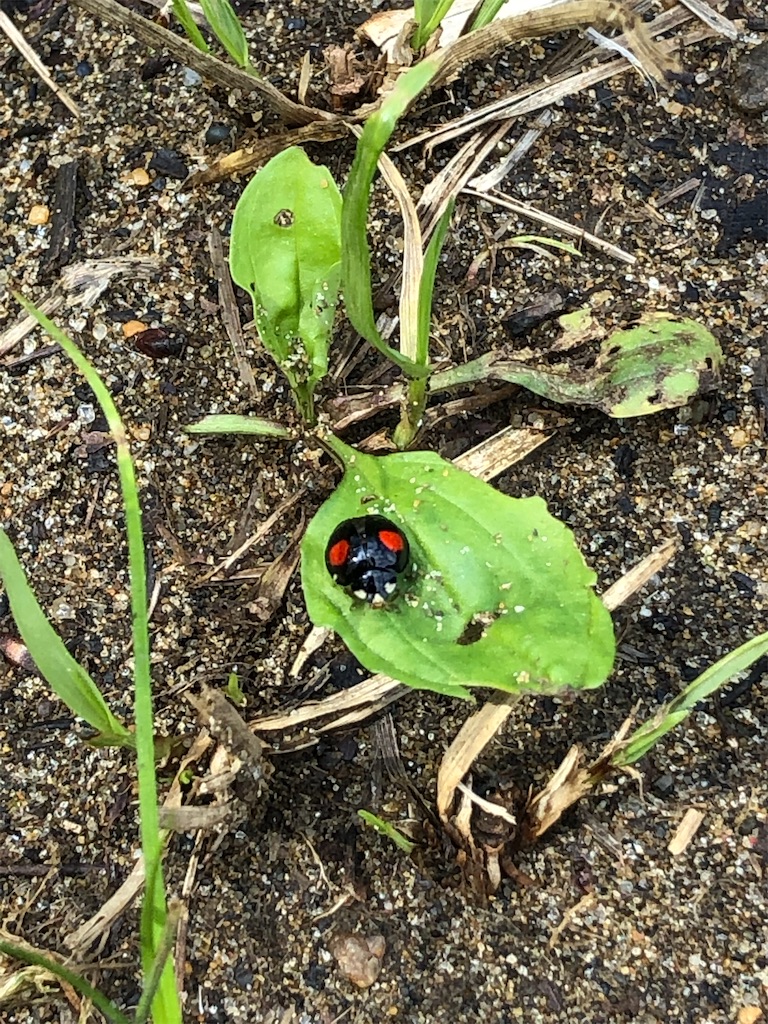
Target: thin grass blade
[717,675]
[187,22]
[356,256]
[166,1007]
[78,983]
[228,30]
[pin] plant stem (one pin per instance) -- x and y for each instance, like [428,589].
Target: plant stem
[412,413]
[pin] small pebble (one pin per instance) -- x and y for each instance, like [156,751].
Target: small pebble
[84,69]
[295,24]
[39,215]
[191,78]
[749,92]
[168,163]
[139,177]
[217,133]
[133,327]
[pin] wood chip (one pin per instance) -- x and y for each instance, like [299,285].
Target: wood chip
[686,830]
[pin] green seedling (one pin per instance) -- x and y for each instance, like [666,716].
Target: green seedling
[234,690]
[286,253]
[186,20]
[72,684]
[428,14]
[224,24]
[661,364]
[388,830]
[669,717]
[498,594]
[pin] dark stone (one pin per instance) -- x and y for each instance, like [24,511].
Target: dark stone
[243,976]
[542,307]
[84,69]
[168,163]
[624,459]
[295,24]
[217,133]
[664,785]
[749,92]
[744,583]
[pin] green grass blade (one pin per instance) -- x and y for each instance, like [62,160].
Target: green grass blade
[717,675]
[166,1007]
[78,983]
[388,830]
[68,679]
[488,11]
[429,14]
[427,284]
[228,30]
[233,424]
[187,22]
[356,255]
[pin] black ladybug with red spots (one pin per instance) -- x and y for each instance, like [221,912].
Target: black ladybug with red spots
[366,556]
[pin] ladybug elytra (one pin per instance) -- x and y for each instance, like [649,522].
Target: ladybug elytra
[366,555]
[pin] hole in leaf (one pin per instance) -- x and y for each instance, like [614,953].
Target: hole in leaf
[284,219]
[475,628]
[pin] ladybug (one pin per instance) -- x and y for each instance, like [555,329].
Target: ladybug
[366,555]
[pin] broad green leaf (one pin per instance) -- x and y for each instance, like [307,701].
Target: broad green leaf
[717,675]
[497,595]
[183,13]
[286,253]
[230,423]
[356,255]
[227,29]
[68,679]
[660,364]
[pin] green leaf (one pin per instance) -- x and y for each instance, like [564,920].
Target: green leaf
[497,595]
[388,830]
[661,364]
[286,253]
[58,970]
[488,11]
[227,29]
[356,255]
[428,15]
[183,13]
[427,283]
[717,675]
[68,679]
[227,423]
[166,1005]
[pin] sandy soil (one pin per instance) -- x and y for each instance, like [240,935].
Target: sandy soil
[613,928]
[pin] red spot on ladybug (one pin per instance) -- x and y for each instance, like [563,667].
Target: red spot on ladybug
[338,554]
[392,539]
[366,556]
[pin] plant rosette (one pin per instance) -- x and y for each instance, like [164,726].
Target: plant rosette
[497,594]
